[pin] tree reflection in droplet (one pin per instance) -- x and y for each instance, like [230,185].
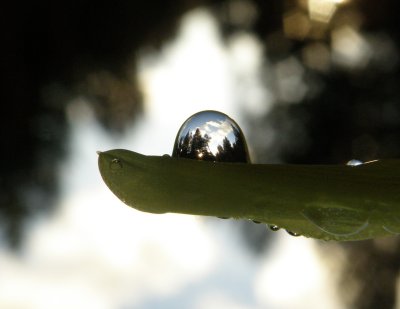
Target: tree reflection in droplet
[211,136]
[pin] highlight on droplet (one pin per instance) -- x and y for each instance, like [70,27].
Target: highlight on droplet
[115,164]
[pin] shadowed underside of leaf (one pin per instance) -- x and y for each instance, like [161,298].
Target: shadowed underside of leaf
[330,202]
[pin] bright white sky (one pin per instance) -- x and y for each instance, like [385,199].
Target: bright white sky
[95,252]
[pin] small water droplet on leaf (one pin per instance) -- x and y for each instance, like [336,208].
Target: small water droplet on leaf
[115,164]
[354,162]
[292,233]
[273,227]
[392,225]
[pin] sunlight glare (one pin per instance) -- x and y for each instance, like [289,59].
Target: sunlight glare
[295,277]
[350,49]
[193,73]
[322,10]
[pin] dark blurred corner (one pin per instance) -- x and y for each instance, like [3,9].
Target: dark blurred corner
[52,52]
[333,78]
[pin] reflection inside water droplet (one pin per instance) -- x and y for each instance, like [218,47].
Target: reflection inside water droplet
[292,233]
[273,227]
[211,136]
[354,162]
[115,164]
[337,221]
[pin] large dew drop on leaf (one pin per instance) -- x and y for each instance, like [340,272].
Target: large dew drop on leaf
[211,136]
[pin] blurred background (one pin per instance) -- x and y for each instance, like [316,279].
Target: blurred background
[308,81]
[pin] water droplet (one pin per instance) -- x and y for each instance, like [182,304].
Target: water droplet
[354,162]
[390,229]
[293,233]
[211,136]
[115,164]
[392,225]
[256,222]
[273,227]
[337,221]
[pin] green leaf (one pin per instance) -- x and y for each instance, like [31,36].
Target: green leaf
[330,202]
